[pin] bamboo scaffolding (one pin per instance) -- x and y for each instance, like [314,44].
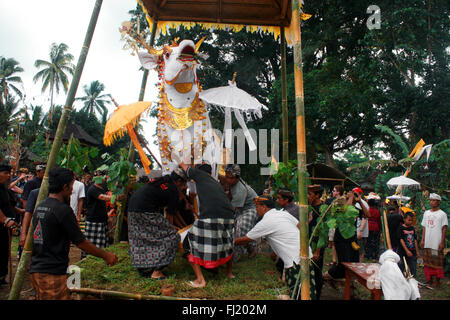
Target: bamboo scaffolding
[123,295]
[301,151]
[56,146]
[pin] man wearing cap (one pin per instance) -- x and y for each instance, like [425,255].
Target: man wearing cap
[153,239]
[283,234]
[245,210]
[434,225]
[285,199]
[7,216]
[34,183]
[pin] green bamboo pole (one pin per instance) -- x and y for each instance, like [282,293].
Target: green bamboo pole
[124,295]
[131,150]
[284,105]
[301,151]
[51,162]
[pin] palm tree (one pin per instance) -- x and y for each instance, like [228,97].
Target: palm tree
[53,72]
[8,80]
[94,100]
[9,115]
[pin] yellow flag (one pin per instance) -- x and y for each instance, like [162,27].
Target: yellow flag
[417,148]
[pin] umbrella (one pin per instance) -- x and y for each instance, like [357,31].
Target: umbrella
[232,98]
[123,119]
[397,197]
[403,181]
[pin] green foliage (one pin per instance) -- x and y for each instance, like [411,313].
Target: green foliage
[119,173]
[286,177]
[75,157]
[339,216]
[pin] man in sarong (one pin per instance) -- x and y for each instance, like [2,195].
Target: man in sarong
[283,234]
[211,237]
[434,225]
[244,209]
[153,239]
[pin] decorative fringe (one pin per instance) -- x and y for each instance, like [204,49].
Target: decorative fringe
[164,26]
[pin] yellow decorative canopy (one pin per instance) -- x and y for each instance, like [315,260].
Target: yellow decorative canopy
[252,15]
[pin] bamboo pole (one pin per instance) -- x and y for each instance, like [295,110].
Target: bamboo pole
[301,151]
[284,105]
[124,295]
[131,151]
[386,232]
[56,146]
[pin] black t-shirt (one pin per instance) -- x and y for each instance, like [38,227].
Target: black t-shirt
[6,203]
[214,203]
[32,199]
[96,209]
[395,220]
[29,186]
[154,196]
[54,227]
[314,214]
[408,234]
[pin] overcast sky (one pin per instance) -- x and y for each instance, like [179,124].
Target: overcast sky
[29,27]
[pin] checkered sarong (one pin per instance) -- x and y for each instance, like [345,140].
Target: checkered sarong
[153,240]
[211,242]
[97,233]
[245,221]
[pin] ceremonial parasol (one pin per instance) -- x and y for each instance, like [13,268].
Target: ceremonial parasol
[398,197]
[232,98]
[403,181]
[124,119]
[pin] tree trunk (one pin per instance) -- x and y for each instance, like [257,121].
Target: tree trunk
[329,158]
[301,151]
[131,151]
[43,192]
[284,97]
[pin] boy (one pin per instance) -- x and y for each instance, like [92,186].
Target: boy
[434,225]
[409,247]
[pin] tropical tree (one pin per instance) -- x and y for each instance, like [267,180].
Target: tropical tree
[53,73]
[9,115]
[9,80]
[94,101]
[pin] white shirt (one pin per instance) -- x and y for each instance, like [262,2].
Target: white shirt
[433,222]
[280,228]
[77,193]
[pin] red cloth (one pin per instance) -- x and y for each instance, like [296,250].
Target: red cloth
[209,264]
[374,220]
[437,272]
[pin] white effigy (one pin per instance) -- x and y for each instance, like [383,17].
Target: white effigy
[184,129]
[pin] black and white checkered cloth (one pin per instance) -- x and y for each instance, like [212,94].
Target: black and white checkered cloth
[97,233]
[211,241]
[245,221]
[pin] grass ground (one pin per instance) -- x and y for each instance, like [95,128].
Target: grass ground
[256,279]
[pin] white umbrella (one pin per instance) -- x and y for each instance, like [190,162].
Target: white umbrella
[398,197]
[402,182]
[232,98]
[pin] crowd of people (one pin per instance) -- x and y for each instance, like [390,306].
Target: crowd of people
[215,222]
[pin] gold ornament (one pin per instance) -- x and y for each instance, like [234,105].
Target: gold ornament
[182,118]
